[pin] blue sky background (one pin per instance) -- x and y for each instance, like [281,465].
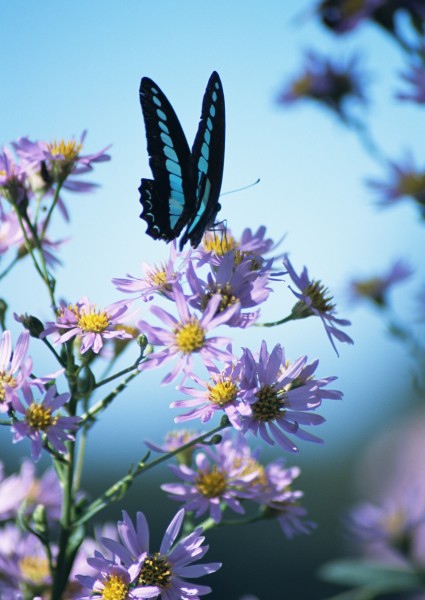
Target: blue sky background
[76,66]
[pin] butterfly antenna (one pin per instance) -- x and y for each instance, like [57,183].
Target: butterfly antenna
[245,187]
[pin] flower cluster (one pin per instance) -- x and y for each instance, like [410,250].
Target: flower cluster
[262,396]
[129,569]
[266,395]
[33,178]
[228,475]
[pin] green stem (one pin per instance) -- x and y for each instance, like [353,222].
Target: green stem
[210,523]
[119,374]
[274,323]
[117,490]
[88,416]
[53,351]
[28,244]
[47,277]
[61,572]
[51,209]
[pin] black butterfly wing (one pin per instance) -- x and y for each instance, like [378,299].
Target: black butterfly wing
[169,199]
[207,162]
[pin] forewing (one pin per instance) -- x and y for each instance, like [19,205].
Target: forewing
[169,200]
[207,161]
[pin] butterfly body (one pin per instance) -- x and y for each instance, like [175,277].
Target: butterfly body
[186,183]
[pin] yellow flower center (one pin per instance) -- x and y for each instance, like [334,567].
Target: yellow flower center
[114,589]
[252,466]
[371,288]
[395,524]
[175,439]
[156,570]
[302,86]
[93,321]
[212,483]
[316,291]
[39,417]
[5,380]
[256,260]
[219,243]
[269,405]
[413,184]
[34,569]
[69,150]
[159,276]
[71,307]
[190,337]
[33,491]
[223,392]
[227,298]
[351,7]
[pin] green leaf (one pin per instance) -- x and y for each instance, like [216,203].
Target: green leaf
[377,576]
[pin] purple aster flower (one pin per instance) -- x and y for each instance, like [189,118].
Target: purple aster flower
[376,288]
[87,322]
[144,574]
[250,247]
[10,231]
[15,369]
[221,393]
[40,424]
[345,15]
[13,490]
[221,476]
[112,580]
[22,492]
[280,501]
[236,283]
[157,279]
[24,565]
[173,441]
[331,84]
[13,178]
[186,337]
[45,490]
[284,397]
[60,160]
[391,531]
[405,180]
[313,299]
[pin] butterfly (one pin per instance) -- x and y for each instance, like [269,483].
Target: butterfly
[186,183]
